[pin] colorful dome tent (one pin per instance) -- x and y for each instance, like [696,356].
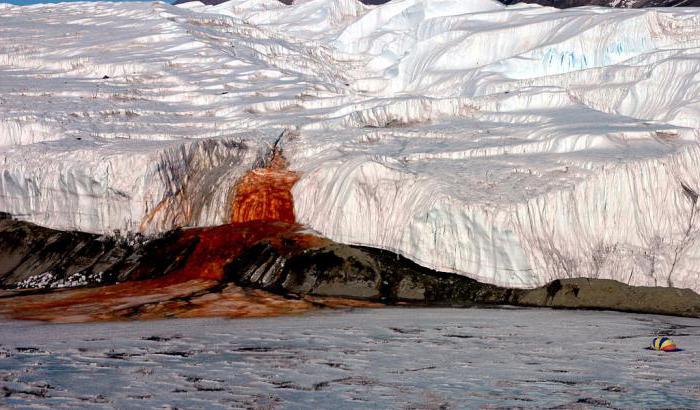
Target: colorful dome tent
[663,343]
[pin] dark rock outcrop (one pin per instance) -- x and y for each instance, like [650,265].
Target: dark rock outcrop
[357,272]
[294,265]
[604,294]
[382,276]
[34,256]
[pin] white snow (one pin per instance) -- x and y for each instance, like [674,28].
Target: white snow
[49,280]
[514,145]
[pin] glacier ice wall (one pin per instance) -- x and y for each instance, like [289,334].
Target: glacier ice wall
[514,145]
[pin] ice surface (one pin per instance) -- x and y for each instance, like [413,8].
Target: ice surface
[387,358]
[514,145]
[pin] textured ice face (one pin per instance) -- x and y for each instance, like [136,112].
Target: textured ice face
[514,145]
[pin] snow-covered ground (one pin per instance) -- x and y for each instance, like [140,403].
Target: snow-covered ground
[388,358]
[514,145]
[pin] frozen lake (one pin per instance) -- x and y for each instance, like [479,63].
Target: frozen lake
[398,358]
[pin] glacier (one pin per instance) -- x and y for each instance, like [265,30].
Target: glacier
[511,144]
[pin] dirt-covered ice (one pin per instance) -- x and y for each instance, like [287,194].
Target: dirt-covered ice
[398,358]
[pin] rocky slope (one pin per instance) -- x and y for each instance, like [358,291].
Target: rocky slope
[511,145]
[264,270]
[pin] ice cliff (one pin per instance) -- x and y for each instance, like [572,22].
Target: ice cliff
[513,145]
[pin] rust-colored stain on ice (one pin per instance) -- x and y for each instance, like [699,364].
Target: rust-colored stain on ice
[194,290]
[149,299]
[262,210]
[265,194]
